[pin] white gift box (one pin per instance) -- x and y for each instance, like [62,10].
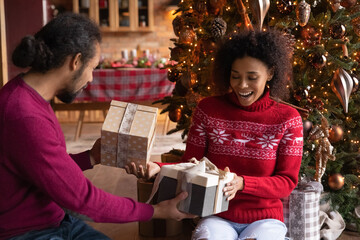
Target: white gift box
[203,182]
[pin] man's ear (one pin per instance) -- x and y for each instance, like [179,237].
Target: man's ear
[76,62]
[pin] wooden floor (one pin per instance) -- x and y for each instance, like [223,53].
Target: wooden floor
[116,181]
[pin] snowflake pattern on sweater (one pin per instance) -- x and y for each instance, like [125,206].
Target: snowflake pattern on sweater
[239,137]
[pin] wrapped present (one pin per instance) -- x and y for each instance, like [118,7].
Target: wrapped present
[201,180]
[301,211]
[127,134]
[156,227]
[173,156]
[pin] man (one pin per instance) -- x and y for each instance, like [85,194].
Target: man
[39,181]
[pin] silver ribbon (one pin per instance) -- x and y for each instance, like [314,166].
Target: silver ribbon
[123,136]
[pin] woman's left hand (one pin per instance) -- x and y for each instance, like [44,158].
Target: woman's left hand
[237,184]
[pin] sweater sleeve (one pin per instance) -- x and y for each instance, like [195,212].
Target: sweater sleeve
[285,177]
[39,157]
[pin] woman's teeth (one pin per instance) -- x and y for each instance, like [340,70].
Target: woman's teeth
[245,94]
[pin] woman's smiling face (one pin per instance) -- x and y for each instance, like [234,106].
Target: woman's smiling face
[248,79]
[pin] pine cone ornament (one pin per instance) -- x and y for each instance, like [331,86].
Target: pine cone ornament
[218,28]
[303,10]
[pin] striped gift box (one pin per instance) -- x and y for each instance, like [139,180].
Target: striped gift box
[301,212]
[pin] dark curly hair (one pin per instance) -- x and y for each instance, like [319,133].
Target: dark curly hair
[65,35]
[272,47]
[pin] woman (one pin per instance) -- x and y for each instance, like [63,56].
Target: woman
[249,133]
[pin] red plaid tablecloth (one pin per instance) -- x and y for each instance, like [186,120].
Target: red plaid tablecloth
[138,84]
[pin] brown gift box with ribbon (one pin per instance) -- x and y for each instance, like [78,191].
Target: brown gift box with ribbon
[127,134]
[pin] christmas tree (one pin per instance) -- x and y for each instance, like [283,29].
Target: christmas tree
[325,35]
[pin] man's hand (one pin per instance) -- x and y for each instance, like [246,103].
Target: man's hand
[168,209]
[151,170]
[237,184]
[95,152]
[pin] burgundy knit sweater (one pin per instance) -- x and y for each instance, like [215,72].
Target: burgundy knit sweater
[262,143]
[38,179]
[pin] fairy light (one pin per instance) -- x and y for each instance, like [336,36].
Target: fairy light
[212,59]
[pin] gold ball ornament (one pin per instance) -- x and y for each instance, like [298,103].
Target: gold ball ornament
[318,60]
[336,133]
[337,30]
[175,114]
[336,181]
[187,36]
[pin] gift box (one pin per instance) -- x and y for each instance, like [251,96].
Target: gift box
[173,156]
[202,181]
[301,211]
[156,227]
[127,134]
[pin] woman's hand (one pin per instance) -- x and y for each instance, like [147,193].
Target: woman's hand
[95,152]
[237,184]
[168,209]
[151,170]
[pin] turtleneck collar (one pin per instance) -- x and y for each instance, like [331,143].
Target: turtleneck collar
[260,105]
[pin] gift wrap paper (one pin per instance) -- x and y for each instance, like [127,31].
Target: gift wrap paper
[204,187]
[301,212]
[127,134]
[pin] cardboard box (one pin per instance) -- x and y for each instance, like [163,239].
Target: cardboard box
[204,186]
[302,211]
[127,134]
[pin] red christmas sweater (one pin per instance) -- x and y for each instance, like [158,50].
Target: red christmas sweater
[262,143]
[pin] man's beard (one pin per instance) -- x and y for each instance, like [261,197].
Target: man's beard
[67,95]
